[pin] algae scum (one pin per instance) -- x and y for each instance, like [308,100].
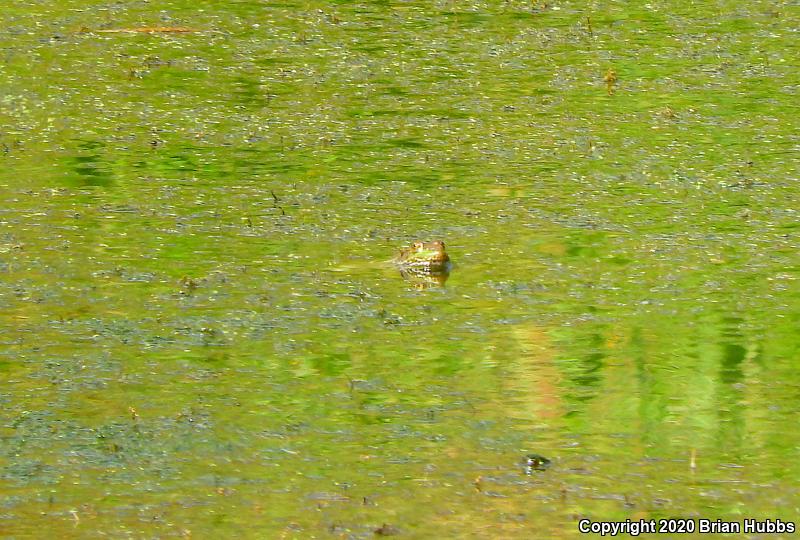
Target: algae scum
[200,336]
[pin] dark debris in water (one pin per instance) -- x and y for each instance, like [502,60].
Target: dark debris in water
[535,462]
[386,530]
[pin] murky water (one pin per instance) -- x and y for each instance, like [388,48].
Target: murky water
[200,336]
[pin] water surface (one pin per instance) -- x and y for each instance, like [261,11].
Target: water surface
[199,333]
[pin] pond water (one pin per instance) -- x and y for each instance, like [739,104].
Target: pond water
[201,336]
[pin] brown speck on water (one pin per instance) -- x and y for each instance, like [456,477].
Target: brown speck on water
[610,79]
[668,113]
[386,530]
[188,283]
[478,483]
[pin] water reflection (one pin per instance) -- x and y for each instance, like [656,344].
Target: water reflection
[669,389]
[612,309]
[424,280]
[90,166]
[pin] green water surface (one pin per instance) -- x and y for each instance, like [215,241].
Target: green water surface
[199,336]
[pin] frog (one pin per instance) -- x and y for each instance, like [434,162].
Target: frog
[424,258]
[424,265]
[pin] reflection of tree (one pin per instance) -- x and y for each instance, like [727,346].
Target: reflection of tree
[669,384]
[731,428]
[653,405]
[536,377]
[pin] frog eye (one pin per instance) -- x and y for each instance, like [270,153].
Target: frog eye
[418,245]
